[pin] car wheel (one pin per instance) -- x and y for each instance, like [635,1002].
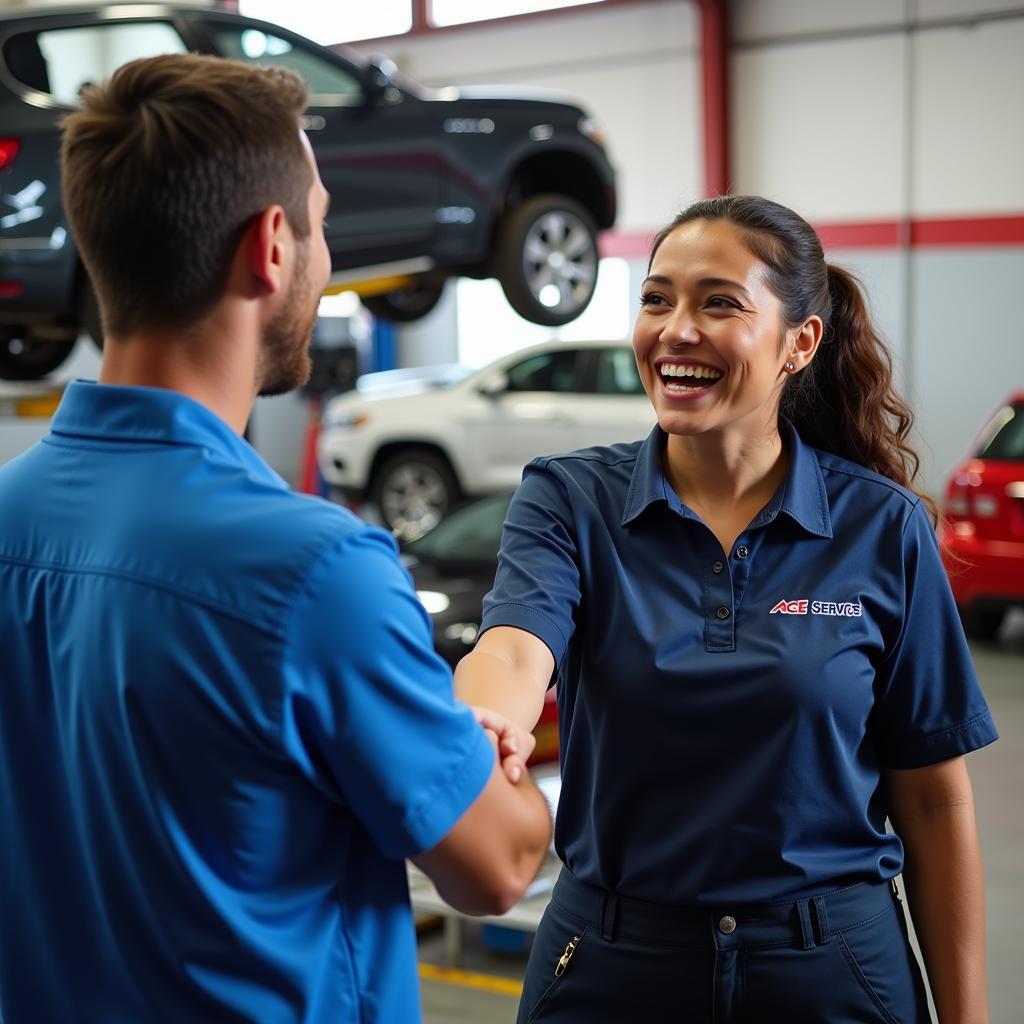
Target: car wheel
[404,305]
[24,357]
[547,259]
[982,623]
[413,490]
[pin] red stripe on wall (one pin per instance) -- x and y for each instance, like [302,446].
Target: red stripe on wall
[951,232]
[626,244]
[968,231]
[880,234]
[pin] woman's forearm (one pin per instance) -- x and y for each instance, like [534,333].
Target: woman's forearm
[943,879]
[484,679]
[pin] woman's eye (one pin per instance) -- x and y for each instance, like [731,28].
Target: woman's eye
[651,299]
[722,302]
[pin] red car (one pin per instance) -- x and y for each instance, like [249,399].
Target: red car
[983,536]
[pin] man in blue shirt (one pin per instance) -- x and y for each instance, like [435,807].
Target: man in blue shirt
[222,723]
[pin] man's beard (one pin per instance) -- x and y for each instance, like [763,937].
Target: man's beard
[284,363]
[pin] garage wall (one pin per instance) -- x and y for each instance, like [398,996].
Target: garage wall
[880,121]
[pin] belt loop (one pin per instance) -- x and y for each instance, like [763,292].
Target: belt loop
[609,906]
[806,933]
[821,916]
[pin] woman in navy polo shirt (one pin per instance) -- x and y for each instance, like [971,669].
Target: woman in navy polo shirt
[758,662]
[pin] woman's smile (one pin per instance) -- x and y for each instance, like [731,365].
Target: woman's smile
[686,379]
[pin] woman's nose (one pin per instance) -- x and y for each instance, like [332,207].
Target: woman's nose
[680,329]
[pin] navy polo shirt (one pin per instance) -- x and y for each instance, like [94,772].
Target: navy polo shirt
[725,720]
[222,727]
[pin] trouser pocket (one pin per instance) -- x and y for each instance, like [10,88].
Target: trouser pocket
[553,960]
[577,975]
[879,958]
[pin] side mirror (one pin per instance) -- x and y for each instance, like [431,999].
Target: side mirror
[378,76]
[494,386]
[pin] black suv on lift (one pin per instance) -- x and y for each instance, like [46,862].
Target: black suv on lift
[426,184]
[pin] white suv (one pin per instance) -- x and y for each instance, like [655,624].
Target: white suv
[414,442]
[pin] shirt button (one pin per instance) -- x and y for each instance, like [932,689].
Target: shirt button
[742,551]
[717,567]
[727,925]
[723,612]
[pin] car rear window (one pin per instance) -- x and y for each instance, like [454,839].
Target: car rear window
[1004,436]
[60,61]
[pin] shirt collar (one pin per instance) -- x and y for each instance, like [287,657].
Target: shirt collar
[802,495]
[117,413]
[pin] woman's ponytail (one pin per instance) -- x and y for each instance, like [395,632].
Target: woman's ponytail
[845,401]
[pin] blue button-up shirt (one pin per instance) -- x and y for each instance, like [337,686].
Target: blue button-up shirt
[725,719]
[222,727]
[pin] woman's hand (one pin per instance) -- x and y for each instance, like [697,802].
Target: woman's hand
[513,744]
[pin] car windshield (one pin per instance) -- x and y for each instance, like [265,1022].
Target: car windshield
[1004,439]
[472,533]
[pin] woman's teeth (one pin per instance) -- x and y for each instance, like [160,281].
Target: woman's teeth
[678,377]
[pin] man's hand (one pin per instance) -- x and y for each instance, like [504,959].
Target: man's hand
[513,743]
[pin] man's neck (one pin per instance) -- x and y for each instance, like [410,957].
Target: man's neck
[209,367]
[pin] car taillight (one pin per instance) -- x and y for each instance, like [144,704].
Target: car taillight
[957,501]
[986,506]
[8,151]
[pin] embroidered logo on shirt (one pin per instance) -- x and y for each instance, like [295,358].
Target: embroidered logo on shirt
[802,606]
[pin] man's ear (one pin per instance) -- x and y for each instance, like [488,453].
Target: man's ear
[267,242]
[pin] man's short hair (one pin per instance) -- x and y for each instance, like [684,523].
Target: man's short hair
[164,168]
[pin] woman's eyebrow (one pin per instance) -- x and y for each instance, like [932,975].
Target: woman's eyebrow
[724,282]
[704,282]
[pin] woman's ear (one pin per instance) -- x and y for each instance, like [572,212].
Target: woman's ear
[803,341]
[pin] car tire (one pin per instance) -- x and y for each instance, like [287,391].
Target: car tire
[982,623]
[403,305]
[413,490]
[24,357]
[547,250]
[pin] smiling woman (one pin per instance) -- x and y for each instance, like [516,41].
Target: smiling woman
[741,615]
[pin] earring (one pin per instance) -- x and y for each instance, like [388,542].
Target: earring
[789,366]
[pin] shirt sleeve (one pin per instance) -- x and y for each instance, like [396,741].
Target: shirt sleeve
[369,712]
[929,704]
[537,584]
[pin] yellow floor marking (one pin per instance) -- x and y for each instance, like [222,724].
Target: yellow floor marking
[470,979]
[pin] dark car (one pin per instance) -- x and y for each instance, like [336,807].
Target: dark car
[983,532]
[426,184]
[453,568]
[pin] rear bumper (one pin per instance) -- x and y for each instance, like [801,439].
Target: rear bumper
[984,572]
[45,280]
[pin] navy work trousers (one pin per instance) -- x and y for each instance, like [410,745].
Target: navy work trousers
[840,958]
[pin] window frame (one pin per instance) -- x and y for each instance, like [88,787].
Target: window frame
[57,22]
[208,26]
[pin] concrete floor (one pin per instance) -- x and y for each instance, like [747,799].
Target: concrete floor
[998,776]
